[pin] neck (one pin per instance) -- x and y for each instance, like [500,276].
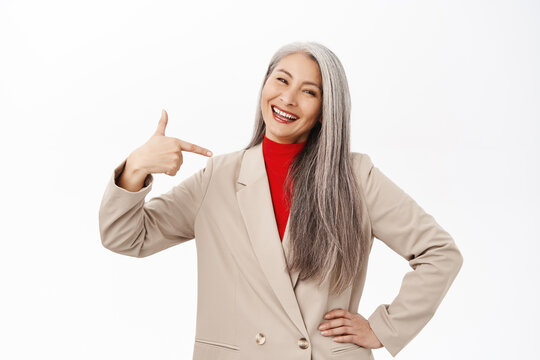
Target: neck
[299,140]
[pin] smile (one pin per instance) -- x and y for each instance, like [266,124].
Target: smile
[283,116]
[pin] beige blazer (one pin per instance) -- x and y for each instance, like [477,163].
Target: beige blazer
[249,306]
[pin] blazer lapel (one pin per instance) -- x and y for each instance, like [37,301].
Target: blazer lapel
[255,202]
[286,251]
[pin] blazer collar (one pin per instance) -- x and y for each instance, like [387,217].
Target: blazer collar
[255,202]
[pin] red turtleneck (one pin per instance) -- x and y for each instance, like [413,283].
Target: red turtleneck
[277,158]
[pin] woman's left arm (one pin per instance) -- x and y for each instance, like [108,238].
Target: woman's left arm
[398,221]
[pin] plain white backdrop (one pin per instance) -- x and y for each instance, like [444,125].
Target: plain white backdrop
[445,100]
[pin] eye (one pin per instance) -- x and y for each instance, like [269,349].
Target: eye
[284,81]
[311,92]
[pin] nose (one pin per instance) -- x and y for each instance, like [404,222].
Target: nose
[288,96]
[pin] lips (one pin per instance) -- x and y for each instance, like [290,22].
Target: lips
[285,111]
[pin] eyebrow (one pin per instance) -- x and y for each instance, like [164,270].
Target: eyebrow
[305,82]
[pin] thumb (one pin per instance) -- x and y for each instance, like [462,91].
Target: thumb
[162,124]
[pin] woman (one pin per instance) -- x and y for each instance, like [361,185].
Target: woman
[284,227]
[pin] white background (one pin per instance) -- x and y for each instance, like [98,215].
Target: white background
[445,101]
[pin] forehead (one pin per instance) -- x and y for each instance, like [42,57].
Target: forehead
[301,67]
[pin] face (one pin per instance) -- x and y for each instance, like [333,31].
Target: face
[294,90]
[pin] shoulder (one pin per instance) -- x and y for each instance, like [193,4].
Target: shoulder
[364,169]
[226,160]
[226,166]
[361,162]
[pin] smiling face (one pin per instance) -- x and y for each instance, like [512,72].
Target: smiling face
[291,99]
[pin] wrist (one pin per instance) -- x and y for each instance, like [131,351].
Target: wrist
[133,169]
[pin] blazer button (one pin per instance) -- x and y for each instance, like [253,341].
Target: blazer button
[303,343]
[260,339]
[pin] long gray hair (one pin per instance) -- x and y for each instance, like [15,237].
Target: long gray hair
[325,229]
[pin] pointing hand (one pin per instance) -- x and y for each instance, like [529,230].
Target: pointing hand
[162,154]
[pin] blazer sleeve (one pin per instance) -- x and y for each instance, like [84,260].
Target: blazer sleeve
[130,226]
[404,226]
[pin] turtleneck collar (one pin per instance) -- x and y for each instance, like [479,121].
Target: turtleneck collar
[278,151]
[277,160]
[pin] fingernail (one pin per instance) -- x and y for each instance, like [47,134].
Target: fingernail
[209,153]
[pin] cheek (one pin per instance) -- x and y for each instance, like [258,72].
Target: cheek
[269,91]
[265,89]
[314,110]
[264,98]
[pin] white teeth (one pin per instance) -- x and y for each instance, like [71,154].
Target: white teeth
[283,114]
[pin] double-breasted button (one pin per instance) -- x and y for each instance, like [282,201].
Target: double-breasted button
[260,339]
[303,343]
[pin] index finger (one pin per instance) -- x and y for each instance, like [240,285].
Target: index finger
[187,146]
[340,312]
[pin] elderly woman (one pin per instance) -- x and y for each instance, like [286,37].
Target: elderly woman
[284,227]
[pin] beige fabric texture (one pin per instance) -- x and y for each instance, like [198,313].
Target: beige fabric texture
[248,305]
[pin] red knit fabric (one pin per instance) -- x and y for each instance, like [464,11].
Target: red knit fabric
[278,158]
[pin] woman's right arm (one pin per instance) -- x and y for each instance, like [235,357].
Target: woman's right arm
[130,226]
[131,179]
